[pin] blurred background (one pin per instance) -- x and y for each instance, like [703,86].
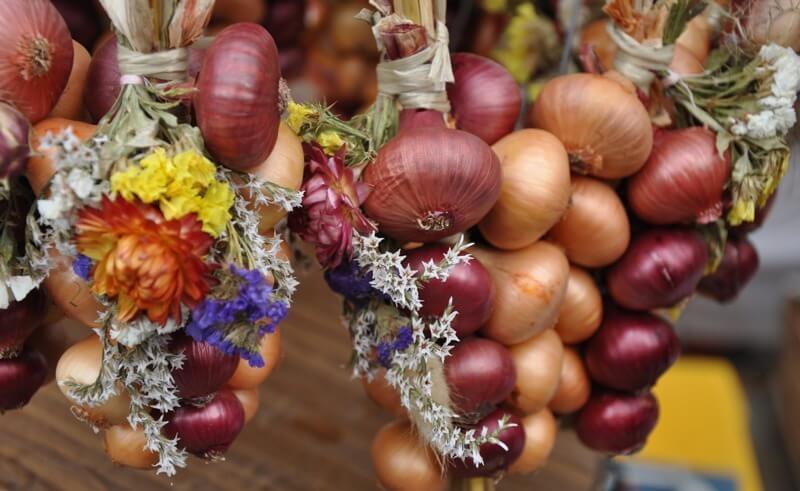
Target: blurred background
[729,405]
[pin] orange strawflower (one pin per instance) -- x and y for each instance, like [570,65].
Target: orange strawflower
[146,262]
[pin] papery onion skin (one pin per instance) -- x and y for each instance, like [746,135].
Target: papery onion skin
[383,394]
[469,285]
[582,310]
[574,386]
[662,267]
[35,56]
[495,458]
[616,422]
[761,216]
[685,63]
[595,230]
[70,104]
[683,180]
[696,38]
[480,373]
[595,35]
[535,191]
[247,377]
[205,368]
[739,265]
[541,430]
[538,364]
[430,183]
[126,446]
[237,99]
[772,21]
[81,363]
[485,100]
[631,350]
[531,284]
[605,129]
[18,321]
[14,147]
[20,378]
[402,462]
[209,430]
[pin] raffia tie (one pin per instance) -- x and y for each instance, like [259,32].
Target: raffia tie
[167,65]
[639,62]
[420,81]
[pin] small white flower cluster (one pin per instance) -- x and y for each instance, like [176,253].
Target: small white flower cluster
[416,371]
[777,116]
[141,328]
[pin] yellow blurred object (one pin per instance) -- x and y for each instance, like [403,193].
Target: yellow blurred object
[703,422]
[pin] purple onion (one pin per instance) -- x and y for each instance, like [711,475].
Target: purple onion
[616,422]
[739,265]
[14,146]
[495,458]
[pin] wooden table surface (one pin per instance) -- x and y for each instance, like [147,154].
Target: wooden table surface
[313,430]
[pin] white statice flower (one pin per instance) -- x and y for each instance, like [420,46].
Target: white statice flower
[15,289]
[81,183]
[778,115]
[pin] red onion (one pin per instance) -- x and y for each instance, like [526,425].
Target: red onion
[631,350]
[480,374]
[209,430]
[739,264]
[237,100]
[286,21]
[469,285]
[682,180]
[429,183]
[205,368]
[485,99]
[81,18]
[616,422]
[420,118]
[14,146]
[20,378]
[18,321]
[35,56]
[495,458]
[661,267]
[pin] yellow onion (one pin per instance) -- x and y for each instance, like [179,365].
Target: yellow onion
[582,310]
[81,363]
[684,62]
[541,430]
[594,231]
[70,104]
[403,463]
[126,446]
[247,377]
[250,401]
[535,190]
[53,339]
[383,394]
[605,128]
[595,35]
[530,284]
[284,167]
[71,293]
[574,386]
[538,364]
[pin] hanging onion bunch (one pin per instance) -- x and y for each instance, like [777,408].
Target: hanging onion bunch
[158,247]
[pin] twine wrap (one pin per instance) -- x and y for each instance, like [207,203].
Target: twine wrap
[419,81]
[167,65]
[638,62]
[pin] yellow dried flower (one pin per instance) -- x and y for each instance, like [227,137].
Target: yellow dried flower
[298,115]
[183,184]
[330,141]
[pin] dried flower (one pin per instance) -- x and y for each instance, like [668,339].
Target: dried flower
[350,281]
[182,184]
[331,201]
[299,114]
[82,266]
[238,312]
[143,260]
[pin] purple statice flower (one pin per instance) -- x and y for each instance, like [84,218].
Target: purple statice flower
[350,281]
[386,350]
[237,314]
[82,266]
